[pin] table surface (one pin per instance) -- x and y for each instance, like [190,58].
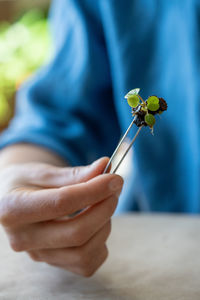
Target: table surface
[152,257]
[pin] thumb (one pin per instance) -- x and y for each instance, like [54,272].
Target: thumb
[54,177]
[83,174]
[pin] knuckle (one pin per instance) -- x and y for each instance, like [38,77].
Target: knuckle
[18,242]
[88,267]
[76,171]
[6,216]
[88,272]
[35,256]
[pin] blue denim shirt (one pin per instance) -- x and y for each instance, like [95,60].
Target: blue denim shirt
[75,105]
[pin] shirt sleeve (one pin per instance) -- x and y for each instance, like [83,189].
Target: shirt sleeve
[68,105]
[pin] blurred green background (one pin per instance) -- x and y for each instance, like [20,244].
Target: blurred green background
[24,47]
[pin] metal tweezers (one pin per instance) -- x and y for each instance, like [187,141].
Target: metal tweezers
[118,146]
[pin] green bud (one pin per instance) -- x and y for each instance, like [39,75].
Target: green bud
[133,100]
[150,120]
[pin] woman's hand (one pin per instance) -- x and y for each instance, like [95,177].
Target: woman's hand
[34,198]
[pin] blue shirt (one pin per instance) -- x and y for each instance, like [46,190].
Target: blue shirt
[75,106]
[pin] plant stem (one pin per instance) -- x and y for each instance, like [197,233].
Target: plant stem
[141,99]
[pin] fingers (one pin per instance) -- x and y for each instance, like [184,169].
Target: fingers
[48,176]
[25,207]
[61,234]
[89,269]
[82,260]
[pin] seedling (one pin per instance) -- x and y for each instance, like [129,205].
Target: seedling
[144,115]
[145,111]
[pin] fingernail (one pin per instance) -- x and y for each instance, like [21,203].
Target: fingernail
[96,162]
[115,184]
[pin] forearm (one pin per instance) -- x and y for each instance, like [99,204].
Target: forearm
[24,153]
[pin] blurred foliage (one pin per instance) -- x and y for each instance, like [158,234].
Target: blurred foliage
[24,46]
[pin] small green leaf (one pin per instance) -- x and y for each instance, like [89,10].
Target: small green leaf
[132,92]
[153,100]
[133,100]
[153,107]
[150,120]
[153,103]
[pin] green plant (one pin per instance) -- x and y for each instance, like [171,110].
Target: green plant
[24,47]
[145,111]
